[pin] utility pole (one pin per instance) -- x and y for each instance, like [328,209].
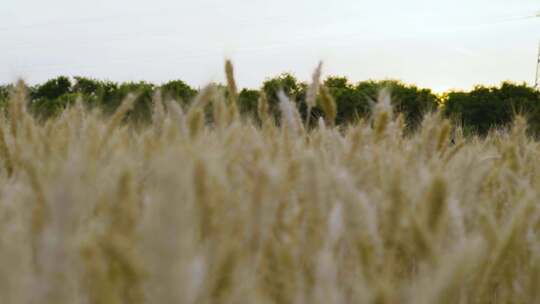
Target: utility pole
[537,82]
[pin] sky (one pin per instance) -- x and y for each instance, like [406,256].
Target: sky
[442,45]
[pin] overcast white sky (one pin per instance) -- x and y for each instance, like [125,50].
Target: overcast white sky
[432,43]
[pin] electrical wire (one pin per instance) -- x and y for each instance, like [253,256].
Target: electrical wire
[252,49]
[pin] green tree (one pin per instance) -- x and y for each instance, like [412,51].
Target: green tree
[248,100]
[351,103]
[285,82]
[4,94]
[178,90]
[485,108]
[86,86]
[144,91]
[51,97]
[413,102]
[409,100]
[52,89]
[525,101]
[44,108]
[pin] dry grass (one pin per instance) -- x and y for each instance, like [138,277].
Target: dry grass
[232,211]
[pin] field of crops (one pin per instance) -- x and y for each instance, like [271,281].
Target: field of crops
[205,205]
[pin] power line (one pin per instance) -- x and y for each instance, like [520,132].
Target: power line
[174,33]
[253,48]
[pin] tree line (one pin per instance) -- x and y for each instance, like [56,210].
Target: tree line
[478,111]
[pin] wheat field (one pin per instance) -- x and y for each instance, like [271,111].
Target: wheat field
[210,206]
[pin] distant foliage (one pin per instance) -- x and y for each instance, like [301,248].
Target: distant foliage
[479,111]
[486,108]
[53,88]
[248,100]
[178,90]
[4,94]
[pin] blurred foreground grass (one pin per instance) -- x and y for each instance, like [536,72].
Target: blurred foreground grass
[208,206]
